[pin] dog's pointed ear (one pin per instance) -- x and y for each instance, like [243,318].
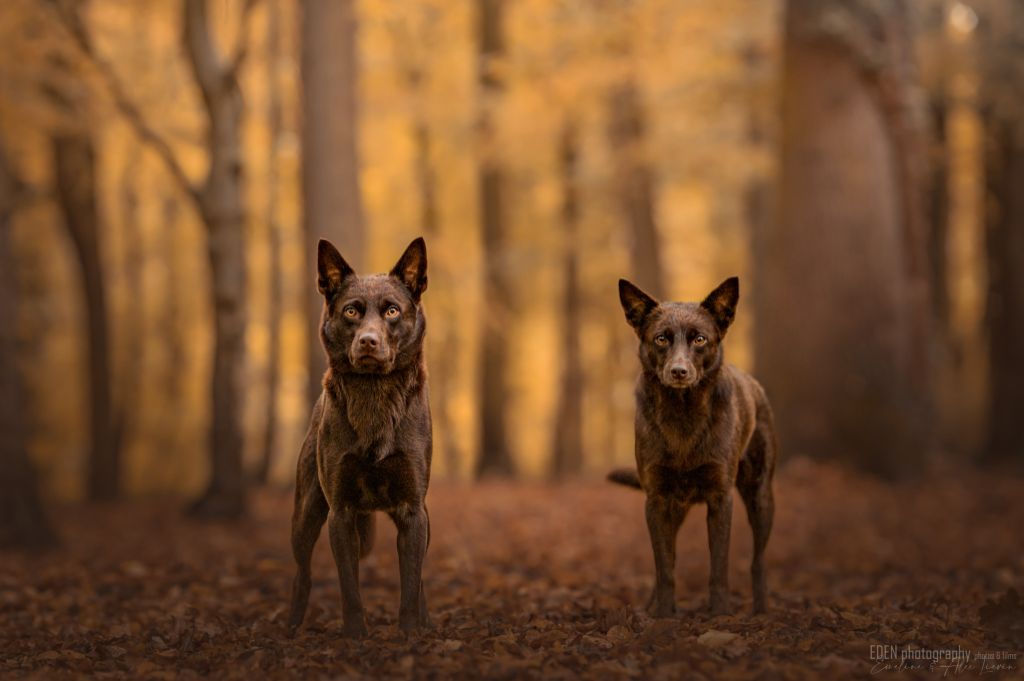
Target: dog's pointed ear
[635,303]
[411,268]
[721,302]
[331,268]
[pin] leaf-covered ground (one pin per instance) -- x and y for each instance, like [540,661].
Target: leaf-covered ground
[537,581]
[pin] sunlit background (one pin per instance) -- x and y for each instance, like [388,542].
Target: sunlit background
[544,149]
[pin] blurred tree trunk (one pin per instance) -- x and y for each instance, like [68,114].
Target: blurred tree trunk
[330,161]
[634,193]
[442,359]
[169,321]
[219,201]
[634,179]
[221,205]
[495,458]
[1005,231]
[567,458]
[1002,56]
[129,401]
[843,347]
[23,522]
[75,177]
[938,212]
[613,375]
[274,238]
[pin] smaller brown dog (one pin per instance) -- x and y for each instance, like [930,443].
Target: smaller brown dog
[369,442]
[701,427]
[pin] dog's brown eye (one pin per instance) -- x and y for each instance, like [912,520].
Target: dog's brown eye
[350,311]
[661,339]
[699,341]
[391,312]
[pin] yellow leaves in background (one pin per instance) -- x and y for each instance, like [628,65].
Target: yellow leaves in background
[706,77]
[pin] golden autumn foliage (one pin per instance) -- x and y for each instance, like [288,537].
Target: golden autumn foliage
[704,94]
[706,74]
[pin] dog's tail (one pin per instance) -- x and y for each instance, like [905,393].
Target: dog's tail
[365,528]
[625,476]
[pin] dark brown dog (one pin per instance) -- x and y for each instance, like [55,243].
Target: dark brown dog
[369,442]
[701,427]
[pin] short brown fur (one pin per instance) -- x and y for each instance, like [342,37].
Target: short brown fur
[701,428]
[369,442]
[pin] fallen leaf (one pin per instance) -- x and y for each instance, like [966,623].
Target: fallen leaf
[713,638]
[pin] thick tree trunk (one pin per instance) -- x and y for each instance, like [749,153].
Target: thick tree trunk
[634,192]
[938,212]
[222,209]
[634,179]
[129,399]
[495,458]
[274,238]
[75,169]
[840,349]
[442,360]
[23,522]
[219,201]
[169,321]
[1001,54]
[567,455]
[1005,171]
[330,162]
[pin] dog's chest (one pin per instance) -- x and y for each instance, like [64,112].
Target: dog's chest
[686,454]
[366,459]
[692,433]
[358,482]
[688,485]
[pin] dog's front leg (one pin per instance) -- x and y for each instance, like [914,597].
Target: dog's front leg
[719,525]
[664,515]
[411,522]
[342,528]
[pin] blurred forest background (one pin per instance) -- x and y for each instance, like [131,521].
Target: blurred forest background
[167,166]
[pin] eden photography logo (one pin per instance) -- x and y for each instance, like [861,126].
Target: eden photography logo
[943,661]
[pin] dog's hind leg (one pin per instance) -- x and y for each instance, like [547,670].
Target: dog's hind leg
[365,525]
[754,481]
[307,519]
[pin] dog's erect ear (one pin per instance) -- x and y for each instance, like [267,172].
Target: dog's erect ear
[635,303]
[411,268]
[721,302]
[331,268]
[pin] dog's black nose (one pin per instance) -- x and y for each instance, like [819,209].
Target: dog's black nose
[679,373]
[369,341]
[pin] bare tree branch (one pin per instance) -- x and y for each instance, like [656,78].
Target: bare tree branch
[71,20]
[19,192]
[241,52]
[212,72]
[203,58]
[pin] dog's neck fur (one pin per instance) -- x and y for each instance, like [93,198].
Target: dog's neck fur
[686,415]
[374,404]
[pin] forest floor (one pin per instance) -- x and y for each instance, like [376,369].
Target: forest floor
[538,581]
